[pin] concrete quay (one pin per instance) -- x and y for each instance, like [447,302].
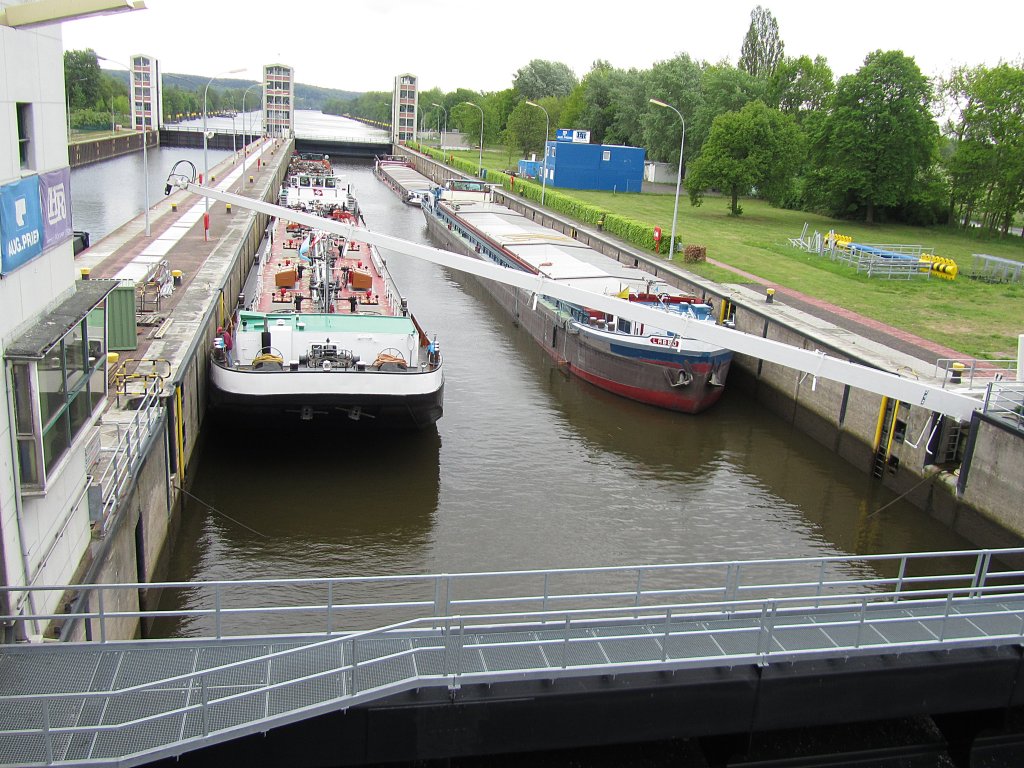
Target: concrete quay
[179,285]
[956,472]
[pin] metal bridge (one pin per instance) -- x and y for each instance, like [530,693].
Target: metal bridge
[251,656]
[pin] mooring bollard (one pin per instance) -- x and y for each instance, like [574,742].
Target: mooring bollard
[227,207]
[769,296]
[956,373]
[176,275]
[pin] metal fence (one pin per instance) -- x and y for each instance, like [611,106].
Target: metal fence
[119,705]
[1005,400]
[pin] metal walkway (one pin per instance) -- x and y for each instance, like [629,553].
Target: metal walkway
[128,703]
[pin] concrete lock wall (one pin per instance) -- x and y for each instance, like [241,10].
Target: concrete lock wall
[86,152]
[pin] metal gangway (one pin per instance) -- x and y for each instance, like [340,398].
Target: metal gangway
[249,656]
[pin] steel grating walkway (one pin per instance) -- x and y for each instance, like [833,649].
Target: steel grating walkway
[128,703]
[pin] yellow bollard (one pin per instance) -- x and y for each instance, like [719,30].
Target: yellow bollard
[250,179]
[85,272]
[176,275]
[212,178]
[112,358]
[174,207]
[769,296]
[227,207]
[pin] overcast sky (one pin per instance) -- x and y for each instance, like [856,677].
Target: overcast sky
[360,45]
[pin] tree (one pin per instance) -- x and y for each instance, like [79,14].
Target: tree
[802,85]
[82,78]
[877,140]
[986,165]
[542,78]
[676,82]
[724,88]
[526,129]
[755,147]
[762,48]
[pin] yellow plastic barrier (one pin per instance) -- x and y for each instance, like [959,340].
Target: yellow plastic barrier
[940,266]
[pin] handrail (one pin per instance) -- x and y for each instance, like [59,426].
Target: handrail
[816,579]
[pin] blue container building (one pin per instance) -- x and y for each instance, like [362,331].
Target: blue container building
[594,166]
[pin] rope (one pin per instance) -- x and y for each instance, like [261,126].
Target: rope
[267,357]
[914,487]
[382,359]
[222,514]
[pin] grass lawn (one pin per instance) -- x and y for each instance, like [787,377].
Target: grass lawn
[979,319]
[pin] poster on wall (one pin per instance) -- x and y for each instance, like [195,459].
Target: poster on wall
[21,224]
[55,206]
[35,215]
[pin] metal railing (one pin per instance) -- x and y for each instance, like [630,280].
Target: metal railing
[968,371]
[223,609]
[1005,400]
[124,458]
[587,621]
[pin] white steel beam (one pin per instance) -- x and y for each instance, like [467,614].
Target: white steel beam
[815,363]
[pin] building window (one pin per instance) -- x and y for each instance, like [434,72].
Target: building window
[56,397]
[25,136]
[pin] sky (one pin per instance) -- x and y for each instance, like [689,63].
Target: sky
[360,45]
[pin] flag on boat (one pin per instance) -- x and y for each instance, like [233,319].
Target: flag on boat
[304,248]
[623,294]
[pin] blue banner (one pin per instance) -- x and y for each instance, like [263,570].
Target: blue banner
[21,224]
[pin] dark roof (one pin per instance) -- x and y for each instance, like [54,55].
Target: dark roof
[51,327]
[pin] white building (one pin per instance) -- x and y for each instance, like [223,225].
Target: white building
[278,101]
[404,104]
[52,324]
[146,93]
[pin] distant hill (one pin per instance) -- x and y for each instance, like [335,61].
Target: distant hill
[306,96]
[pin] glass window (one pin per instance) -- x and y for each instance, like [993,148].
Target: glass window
[56,439]
[25,136]
[23,421]
[52,386]
[75,358]
[98,386]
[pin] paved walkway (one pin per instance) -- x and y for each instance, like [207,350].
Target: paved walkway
[177,236]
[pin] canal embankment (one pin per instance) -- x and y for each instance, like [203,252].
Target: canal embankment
[955,472]
[176,284]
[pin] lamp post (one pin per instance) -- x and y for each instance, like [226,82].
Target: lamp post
[245,145]
[679,175]
[547,129]
[480,169]
[145,136]
[206,160]
[441,141]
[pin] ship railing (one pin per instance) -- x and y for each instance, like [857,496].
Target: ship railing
[222,609]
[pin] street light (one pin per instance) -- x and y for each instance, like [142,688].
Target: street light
[206,160]
[145,134]
[679,175]
[441,144]
[480,170]
[245,145]
[547,128]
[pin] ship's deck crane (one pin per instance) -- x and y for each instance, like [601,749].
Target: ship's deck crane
[814,363]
